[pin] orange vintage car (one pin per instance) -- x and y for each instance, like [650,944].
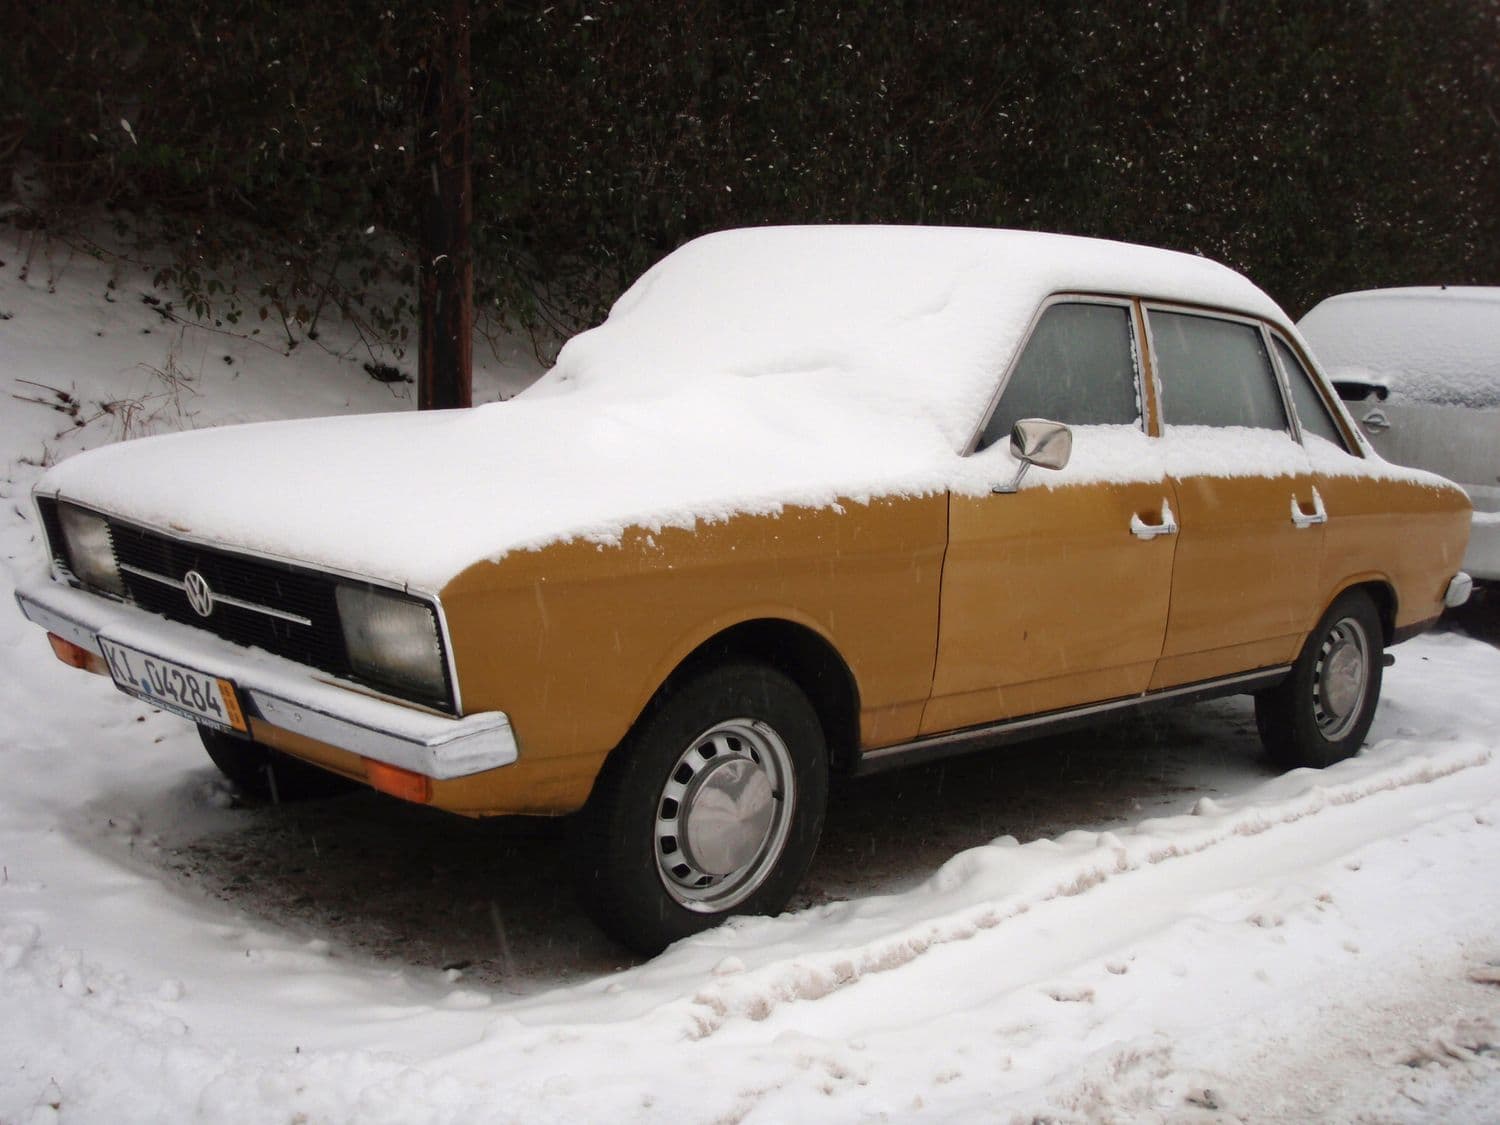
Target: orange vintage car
[809,500]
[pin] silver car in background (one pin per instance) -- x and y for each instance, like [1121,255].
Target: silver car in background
[1419,369]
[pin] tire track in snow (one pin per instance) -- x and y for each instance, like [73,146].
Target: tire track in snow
[1011,880]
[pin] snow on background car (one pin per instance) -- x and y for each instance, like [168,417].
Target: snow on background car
[1193,939]
[1421,368]
[1432,344]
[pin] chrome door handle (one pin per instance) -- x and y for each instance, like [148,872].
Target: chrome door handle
[1143,530]
[1302,519]
[1376,420]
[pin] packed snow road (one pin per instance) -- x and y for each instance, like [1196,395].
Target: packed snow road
[1241,947]
[1138,923]
[493,898]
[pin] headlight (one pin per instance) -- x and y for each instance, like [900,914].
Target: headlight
[90,552]
[393,641]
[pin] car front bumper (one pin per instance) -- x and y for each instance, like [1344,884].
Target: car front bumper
[280,692]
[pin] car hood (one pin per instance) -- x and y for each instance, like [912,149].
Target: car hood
[416,498]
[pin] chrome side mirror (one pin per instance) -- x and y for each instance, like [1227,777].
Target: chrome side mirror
[1036,441]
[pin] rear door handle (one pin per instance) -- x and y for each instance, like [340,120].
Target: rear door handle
[1143,530]
[1304,519]
[1376,420]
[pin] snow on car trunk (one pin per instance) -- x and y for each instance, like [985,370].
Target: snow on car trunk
[1438,345]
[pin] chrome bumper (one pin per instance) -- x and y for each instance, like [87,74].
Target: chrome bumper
[283,693]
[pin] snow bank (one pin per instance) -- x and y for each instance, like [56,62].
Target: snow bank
[1019,979]
[820,952]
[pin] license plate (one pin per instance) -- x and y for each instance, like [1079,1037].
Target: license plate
[174,687]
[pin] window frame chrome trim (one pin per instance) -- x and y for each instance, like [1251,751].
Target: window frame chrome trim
[1269,343]
[1276,334]
[1063,297]
[1258,323]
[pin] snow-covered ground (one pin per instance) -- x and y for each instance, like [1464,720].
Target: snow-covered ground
[1140,923]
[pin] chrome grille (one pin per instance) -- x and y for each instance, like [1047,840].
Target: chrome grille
[307,595]
[286,610]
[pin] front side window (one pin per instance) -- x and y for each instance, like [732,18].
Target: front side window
[1214,372]
[1078,367]
[1312,412]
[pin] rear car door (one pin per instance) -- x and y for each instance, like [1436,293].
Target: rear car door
[1245,584]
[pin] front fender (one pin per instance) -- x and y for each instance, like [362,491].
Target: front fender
[577,637]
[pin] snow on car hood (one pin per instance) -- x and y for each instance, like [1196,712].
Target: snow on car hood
[748,371]
[417,498]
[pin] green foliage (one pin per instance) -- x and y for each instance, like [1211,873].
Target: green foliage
[1319,147]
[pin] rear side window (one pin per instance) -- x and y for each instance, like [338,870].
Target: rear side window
[1312,412]
[1214,372]
[1078,367]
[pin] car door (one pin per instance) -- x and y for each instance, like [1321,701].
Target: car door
[1055,595]
[1245,578]
[1370,533]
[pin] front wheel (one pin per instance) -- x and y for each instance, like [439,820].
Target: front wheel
[711,807]
[1322,711]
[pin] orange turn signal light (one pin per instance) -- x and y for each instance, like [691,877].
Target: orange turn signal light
[398,782]
[76,656]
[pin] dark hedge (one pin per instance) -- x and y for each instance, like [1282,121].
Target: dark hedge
[1317,146]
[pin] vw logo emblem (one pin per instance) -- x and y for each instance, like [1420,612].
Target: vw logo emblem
[199,594]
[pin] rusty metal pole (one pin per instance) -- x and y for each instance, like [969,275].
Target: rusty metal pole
[445,356]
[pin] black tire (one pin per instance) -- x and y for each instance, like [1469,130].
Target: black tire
[267,775]
[1322,711]
[711,807]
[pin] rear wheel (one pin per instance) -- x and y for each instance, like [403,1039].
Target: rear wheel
[268,775]
[711,807]
[1322,711]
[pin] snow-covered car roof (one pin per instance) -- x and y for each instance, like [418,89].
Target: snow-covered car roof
[748,371]
[920,320]
[1431,344]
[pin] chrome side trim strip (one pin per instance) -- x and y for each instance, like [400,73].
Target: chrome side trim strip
[219,599]
[1010,730]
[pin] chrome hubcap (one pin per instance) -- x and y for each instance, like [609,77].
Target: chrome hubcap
[1339,678]
[727,815]
[724,815]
